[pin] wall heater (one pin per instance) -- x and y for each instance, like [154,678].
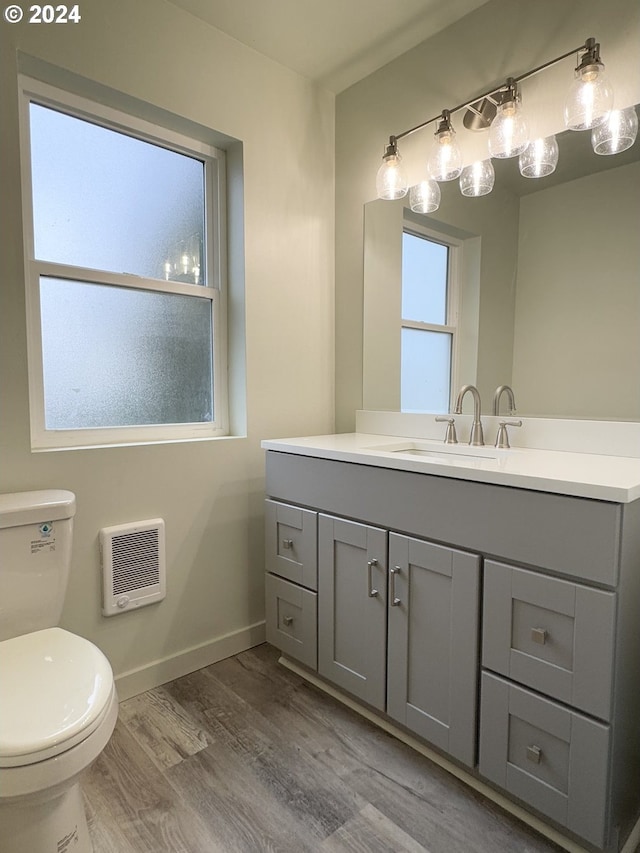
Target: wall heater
[133,565]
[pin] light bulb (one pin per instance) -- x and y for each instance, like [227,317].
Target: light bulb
[391,181]
[477,179]
[445,158]
[425,197]
[168,268]
[509,132]
[540,158]
[590,96]
[617,133]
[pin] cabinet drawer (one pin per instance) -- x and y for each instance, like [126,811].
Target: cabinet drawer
[550,757]
[292,620]
[549,634]
[291,543]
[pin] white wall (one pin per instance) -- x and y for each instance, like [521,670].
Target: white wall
[501,38]
[209,493]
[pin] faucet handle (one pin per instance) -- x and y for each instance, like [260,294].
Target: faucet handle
[450,436]
[502,439]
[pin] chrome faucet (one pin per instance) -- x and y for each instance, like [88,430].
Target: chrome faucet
[496,399]
[477,437]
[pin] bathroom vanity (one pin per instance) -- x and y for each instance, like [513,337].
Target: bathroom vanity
[486,601]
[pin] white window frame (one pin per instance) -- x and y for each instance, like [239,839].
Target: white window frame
[35,91]
[455,247]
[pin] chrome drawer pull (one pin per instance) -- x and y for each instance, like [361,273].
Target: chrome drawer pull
[534,753]
[394,600]
[370,590]
[287,544]
[288,620]
[539,635]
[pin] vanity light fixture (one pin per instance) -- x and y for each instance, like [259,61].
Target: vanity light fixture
[445,159]
[477,179]
[539,158]
[425,197]
[617,133]
[590,98]
[509,131]
[588,106]
[391,182]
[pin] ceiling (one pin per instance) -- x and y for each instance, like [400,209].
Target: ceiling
[333,42]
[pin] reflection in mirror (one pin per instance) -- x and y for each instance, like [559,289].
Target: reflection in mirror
[544,289]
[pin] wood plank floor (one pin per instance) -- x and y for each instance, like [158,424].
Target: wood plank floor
[245,756]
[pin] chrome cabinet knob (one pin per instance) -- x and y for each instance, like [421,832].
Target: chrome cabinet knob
[534,754]
[288,620]
[539,635]
[287,544]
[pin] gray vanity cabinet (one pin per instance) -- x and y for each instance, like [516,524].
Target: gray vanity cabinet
[432,673]
[352,607]
[404,560]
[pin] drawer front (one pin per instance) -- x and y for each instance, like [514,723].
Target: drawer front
[552,758]
[291,543]
[555,636]
[292,620]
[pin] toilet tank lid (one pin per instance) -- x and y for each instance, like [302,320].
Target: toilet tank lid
[33,507]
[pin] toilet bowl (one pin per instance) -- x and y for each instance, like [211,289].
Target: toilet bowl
[55,719]
[58,703]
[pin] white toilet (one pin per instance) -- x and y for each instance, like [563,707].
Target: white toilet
[58,703]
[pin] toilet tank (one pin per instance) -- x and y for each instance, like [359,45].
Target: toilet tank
[35,556]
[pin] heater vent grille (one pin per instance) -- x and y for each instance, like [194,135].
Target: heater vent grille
[133,565]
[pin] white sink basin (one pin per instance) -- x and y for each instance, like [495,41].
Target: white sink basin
[444,452]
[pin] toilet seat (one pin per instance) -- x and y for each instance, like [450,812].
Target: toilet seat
[61,690]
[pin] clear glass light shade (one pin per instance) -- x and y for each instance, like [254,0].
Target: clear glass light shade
[391,181]
[509,131]
[477,179]
[539,158]
[589,100]
[445,157]
[425,197]
[617,133]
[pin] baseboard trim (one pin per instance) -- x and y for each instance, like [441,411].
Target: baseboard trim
[197,657]
[470,780]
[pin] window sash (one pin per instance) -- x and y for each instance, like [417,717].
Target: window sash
[215,240]
[451,326]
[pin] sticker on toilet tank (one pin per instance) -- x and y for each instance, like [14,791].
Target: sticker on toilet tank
[47,540]
[68,840]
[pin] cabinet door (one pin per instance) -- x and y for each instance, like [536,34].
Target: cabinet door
[352,602]
[433,643]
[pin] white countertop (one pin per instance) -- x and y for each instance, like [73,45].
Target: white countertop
[589,475]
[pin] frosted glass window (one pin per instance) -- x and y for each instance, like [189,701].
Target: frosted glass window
[107,201]
[425,371]
[424,279]
[117,356]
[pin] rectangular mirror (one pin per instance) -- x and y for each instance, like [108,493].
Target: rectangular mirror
[547,288]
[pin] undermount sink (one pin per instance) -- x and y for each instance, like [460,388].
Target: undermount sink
[426,450]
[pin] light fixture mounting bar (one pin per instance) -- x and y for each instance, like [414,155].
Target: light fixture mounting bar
[589,45]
